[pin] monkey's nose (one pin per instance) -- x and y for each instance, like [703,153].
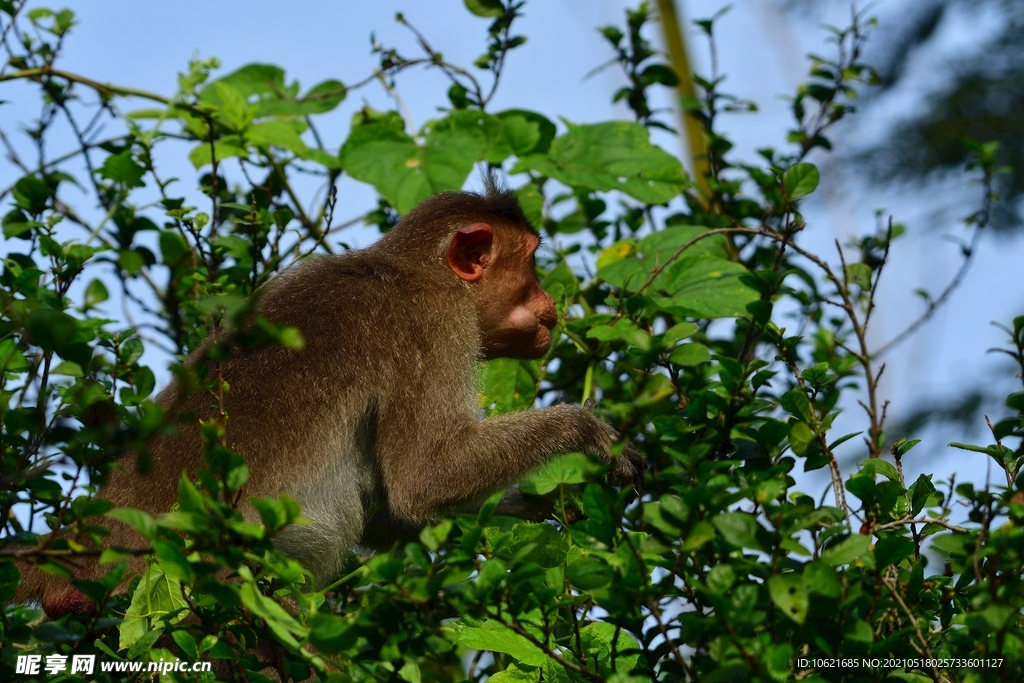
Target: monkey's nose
[548,314]
[549,318]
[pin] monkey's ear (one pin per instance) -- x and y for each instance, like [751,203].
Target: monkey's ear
[470,251]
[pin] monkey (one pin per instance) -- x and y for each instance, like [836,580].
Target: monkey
[374,425]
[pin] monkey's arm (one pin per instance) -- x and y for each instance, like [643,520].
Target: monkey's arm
[455,460]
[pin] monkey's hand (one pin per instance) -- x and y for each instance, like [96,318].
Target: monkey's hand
[629,468]
[629,464]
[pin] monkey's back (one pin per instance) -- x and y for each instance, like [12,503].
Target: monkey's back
[367,324]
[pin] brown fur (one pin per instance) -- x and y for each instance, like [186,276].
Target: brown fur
[375,423]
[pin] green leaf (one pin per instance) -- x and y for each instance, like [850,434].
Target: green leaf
[859,631]
[281,133]
[224,148]
[708,287]
[701,533]
[615,252]
[67,369]
[16,225]
[322,97]
[627,274]
[509,384]
[690,354]
[136,519]
[739,529]
[796,403]
[156,597]
[776,660]
[495,637]
[187,643]
[800,180]
[653,516]
[236,477]
[568,469]
[800,437]
[599,639]
[410,672]
[518,136]
[920,491]
[615,155]
[456,142]
[532,202]
[31,194]
[485,8]
[587,572]
[561,283]
[902,447]
[513,674]
[659,247]
[264,86]
[11,357]
[843,439]
[656,389]
[173,247]
[789,594]
[678,332]
[987,450]
[822,579]
[121,168]
[145,644]
[231,103]
[9,578]
[660,73]
[51,329]
[278,619]
[859,274]
[95,293]
[189,498]
[657,250]
[132,350]
[873,466]
[720,579]
[624,330]
[847,551]
[433,537]
[892,549]
[953,544]
[389,160]
[522,135]
[249,80]
[331,634]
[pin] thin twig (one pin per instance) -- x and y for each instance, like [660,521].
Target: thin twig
[920,520]
[917,629]
[983,220]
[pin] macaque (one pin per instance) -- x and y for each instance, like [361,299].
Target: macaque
[374,424]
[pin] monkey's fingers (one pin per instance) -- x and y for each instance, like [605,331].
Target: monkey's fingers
[629,468]
[590,403]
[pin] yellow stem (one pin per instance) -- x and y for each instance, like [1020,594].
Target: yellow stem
[675,41]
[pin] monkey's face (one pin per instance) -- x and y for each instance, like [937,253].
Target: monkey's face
[516,315]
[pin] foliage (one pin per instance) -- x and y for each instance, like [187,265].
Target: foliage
[720,569]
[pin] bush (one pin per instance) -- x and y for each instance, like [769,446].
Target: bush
[720,569]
